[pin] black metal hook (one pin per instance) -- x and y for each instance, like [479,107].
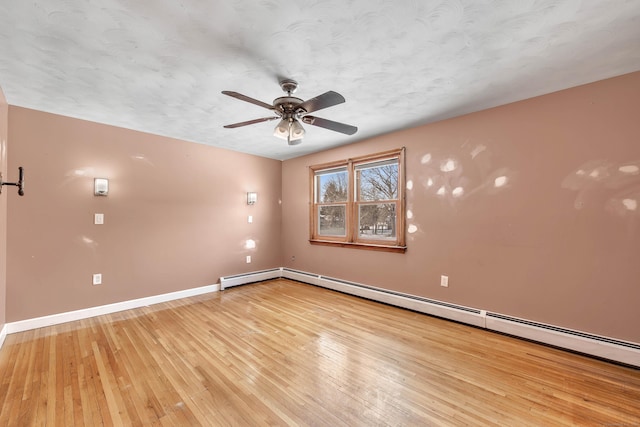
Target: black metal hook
[19,184]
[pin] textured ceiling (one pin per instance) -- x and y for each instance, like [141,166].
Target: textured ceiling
[159,66]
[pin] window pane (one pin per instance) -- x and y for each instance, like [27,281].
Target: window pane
[377,181]
[331,220]
[331,186]
[377,221]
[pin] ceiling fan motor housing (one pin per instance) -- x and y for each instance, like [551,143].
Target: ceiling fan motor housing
[285,106]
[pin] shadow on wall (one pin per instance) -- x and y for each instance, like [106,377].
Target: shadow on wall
[614,186]
[456,177]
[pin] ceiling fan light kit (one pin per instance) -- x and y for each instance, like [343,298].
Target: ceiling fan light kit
[291,110]
[290,130]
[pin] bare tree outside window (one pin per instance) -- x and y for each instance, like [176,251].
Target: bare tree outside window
[334,187]
[378,182]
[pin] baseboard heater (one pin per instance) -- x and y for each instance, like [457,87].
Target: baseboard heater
[251,277]
[595,345]
[607,348]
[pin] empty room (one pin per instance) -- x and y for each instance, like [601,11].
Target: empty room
[320,213]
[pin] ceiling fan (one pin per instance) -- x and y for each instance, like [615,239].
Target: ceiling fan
[291,111]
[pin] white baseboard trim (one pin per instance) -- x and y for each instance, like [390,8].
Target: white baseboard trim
[3,334]
[607,348]
[56,319]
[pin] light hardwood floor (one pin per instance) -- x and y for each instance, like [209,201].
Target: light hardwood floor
[286,353]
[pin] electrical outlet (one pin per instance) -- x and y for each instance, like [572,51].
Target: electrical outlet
[97,279]
[444,281]
[248,259]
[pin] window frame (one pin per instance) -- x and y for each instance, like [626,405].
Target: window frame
[352,220]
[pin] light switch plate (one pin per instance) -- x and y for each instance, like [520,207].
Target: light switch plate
[98,219]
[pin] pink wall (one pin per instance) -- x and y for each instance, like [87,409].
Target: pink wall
[4,110]
[558,243]
[175,217]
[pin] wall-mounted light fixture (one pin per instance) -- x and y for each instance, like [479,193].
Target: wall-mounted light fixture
[19,184]
[252,198]
[100,187]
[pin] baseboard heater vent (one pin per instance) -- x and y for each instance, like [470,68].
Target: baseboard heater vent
[301,276]
[252,277]
[302,273]
[607,348]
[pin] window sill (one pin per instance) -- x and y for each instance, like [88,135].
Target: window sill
[382,248]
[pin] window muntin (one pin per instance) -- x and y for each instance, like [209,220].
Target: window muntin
[359,201]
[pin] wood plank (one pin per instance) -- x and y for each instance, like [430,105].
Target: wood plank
[286,353]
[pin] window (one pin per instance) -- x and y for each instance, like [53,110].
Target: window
[359,202]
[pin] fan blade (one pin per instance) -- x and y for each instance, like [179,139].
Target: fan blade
[250,122]
[330,124]
[247,99]
[328,99]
